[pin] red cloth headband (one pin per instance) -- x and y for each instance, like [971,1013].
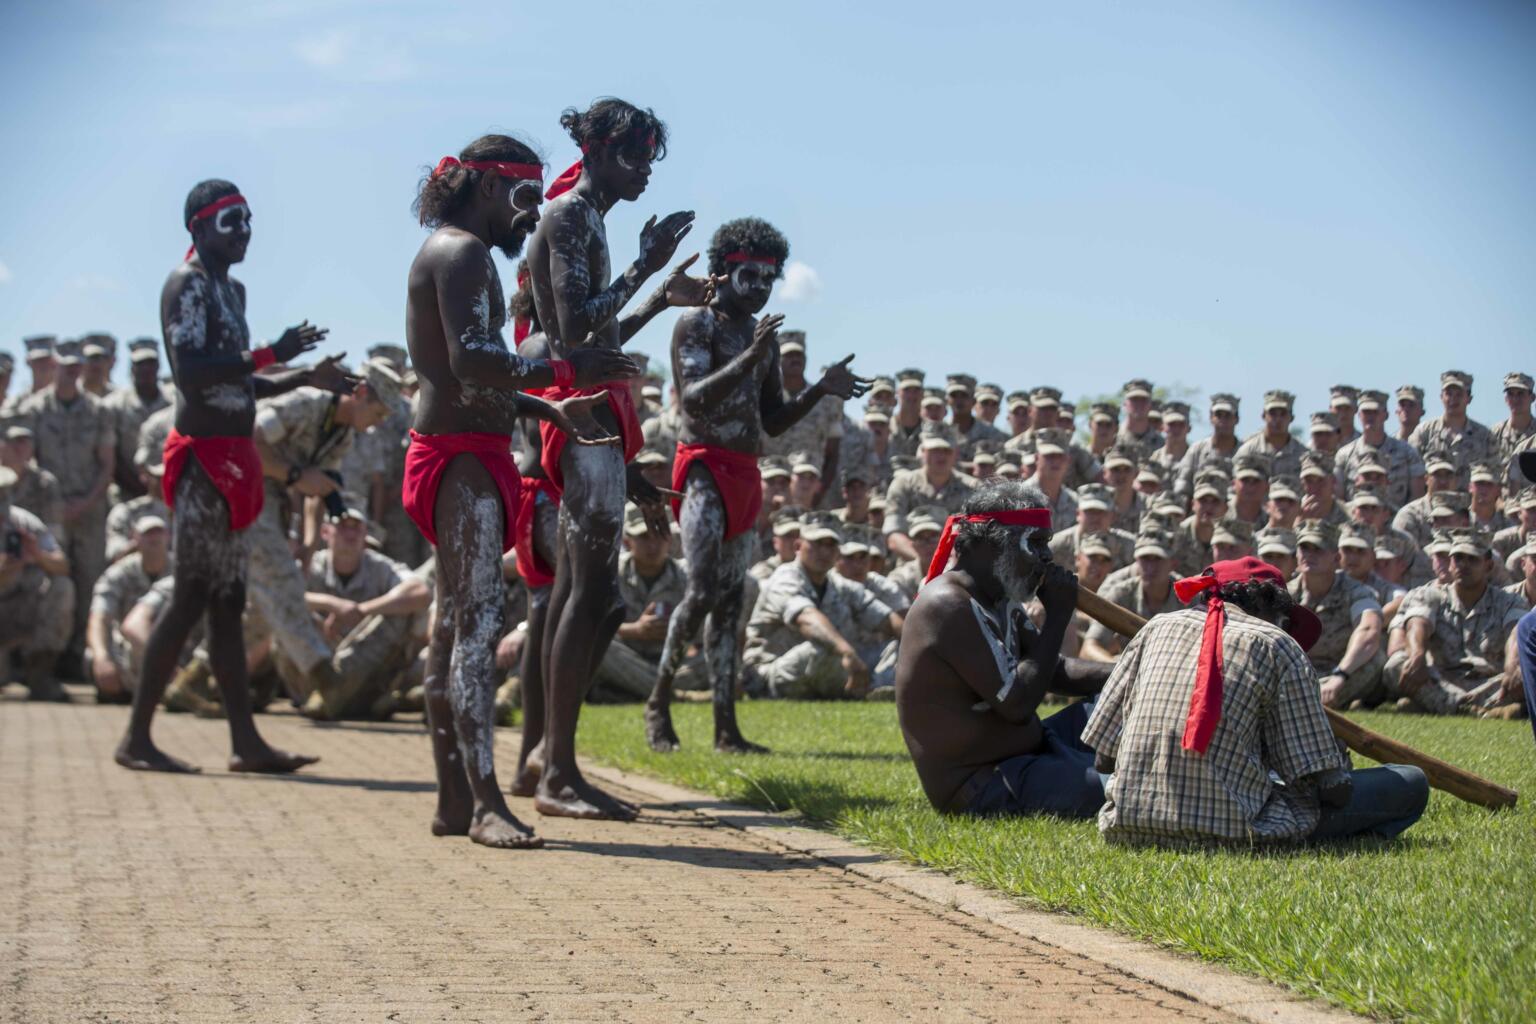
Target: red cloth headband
[208,211]
[572,174]
[1039,518]
[747,257]
[517,172]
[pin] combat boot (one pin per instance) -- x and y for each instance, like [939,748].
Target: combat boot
[41,681]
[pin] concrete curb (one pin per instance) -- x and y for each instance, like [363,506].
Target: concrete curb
[1248,999]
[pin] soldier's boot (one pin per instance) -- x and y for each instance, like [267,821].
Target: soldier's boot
[332,693]
[41,681]
[383,709]
[189,691]
[1439,698]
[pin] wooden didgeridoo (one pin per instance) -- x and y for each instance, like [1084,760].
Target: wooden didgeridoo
[1456,781]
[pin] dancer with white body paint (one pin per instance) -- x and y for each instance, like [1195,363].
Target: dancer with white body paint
[461,485]
[726,364]
[213,472]
[569,268]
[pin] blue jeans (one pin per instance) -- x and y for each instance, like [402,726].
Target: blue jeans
[1060,779]
[1385,802]
[1525,643]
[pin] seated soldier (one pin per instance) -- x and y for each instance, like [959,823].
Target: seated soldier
[1276,546]
[1509,543]
[36,490]
[109,661]
[125,514]
[364,604]
[786,536]
[973,668]
[1192,540]
[37,599]
[1250,489]
[1369,508]
[1460,645]
[1094,515]
[798,638]
[1094,561]
[1524,586]
[923,527]
[804,481]
[1349,653]
[1284,502]
[775,472]
[876,649]
[1231,539]
[1147,592]
[1357,555]
[655,466]
[1235,749]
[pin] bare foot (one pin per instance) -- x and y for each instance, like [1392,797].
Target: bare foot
[732,743]
[527,781]
[658,729]
[578,798]
[453,816]
[267,760]
[146,757]
[503,833]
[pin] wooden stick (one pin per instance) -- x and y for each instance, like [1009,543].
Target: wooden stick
[1456,781]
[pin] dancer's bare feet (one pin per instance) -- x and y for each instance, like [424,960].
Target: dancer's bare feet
[574,797]
[733,743]
[659,732]
[503,833]
[454,813]
[267,760]
[146,757]
[528,773]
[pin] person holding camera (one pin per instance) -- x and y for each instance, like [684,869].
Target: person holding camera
[301,438]
[37,598]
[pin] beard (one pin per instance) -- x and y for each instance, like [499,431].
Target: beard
[1020,581]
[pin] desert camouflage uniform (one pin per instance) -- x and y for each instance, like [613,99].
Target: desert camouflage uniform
[129,413]
[980,431]
[37,610]
[124,514]
[911,490]
[38,492]
[1340,611]
[628,670]
[778,658]
[152,434]
[1082,466]
[1065,545]
[121,587]
[1126,591]
[1148,441]
[1465,648]
[1400,459]
[1202,455]
[1474,444]
[1283,461]
[824,421]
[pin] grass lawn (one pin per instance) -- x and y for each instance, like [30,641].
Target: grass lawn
[1437,926]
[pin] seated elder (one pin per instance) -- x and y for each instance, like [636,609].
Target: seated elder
[973,668]
[1213,729]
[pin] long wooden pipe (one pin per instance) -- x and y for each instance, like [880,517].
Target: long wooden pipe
[1456,781]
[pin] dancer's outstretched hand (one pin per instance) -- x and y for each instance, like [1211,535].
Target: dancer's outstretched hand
[327,375]
[682,290]
[594,365]
[652,502]
[839,380]
[574,416]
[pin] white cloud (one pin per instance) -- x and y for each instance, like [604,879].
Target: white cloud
[801,282]
[5,274]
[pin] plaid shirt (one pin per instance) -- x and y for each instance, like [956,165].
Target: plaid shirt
[1271,720]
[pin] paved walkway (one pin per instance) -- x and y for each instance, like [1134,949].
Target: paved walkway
[322,897]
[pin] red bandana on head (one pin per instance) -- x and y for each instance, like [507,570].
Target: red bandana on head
[208,211]
[572,174]
[747,257]
[1039,518]
[1205,702]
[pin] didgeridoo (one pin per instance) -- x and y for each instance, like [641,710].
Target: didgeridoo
[1456,781]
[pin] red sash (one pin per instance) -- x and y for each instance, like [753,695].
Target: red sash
[429,455]
[529,565]
[736,476]
[552,438]
[230,462]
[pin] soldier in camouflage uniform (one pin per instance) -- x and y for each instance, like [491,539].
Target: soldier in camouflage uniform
[1151,482]
[1275,440]
[960,391]
[989,402]
[42,367]
[75,438]
[130,407]
[1369,509]
[1138,432]
[36,490]
[99,352]
[660,431]
[786,537]
[120,529]
[1417,518]
[1250,490]
[1519,425]
[1486,482]
[1458,435]
[1175,444]
[877,459]
[651,584]
[1357,557]
[1318,485]
[1508,542]
[1103,427]
[152,436]
[1045,414]
[1410,411]
[1324,431]
[1231,539]
[1220,447]
[1401,461]
[1349,654]
[937,482]
[1094,518]
[1148,592]
[110,663]
[907,419]
[1052,461]
[37,598]
[1192,540]
[1019,418]
[882,394]
[1276,545]
[1120,463]
[820,431]
[924,526]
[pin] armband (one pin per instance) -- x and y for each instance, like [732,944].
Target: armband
[263,357]
[565,373]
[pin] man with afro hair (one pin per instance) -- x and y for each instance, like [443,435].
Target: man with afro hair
[726,365]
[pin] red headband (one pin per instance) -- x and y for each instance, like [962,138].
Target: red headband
[747,257]
[1205,701]
[517,172]
[208,211]
[572,174]
[1039,518]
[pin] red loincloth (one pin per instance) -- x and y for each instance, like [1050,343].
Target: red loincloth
[552,438]
[427,458]
[736,477]
[230,462]
[529,565]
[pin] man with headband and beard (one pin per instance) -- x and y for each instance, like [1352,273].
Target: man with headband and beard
[461,485]
[569,267]
[973,669]
[213,472]
[726,365]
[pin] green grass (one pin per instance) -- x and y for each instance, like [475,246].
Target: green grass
[1439,925]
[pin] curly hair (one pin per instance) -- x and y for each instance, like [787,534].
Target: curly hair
[203,193]
[1262,599]
[1000,496]
[747,234]
[440,196]
[610,120]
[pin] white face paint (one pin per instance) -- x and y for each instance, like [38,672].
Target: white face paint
[747,278]
[232,218]
[524,195]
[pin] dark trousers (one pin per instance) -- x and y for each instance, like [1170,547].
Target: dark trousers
[1058,779]
[1385,802]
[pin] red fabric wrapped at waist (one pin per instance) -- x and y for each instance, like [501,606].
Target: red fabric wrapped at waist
[737,477]
[429,455]
[233,465]
[529,565]
[553,439]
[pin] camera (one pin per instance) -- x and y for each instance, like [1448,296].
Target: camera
[335,504]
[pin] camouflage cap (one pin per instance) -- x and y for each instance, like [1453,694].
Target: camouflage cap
[650,392]
[772,466]
[1052,441]
[1067,411]
[1314,463]
[1136,388]
[992,391]
[1371,462]
[634,521]
[936,435]
[1394,545]
[1121,455]
[1165,510]
[1409,392]
[1438,460]
[1455,379]
[1154,541]
[983,457]
[883,386]
[1008,465]
[1324,421]
[1526,498]
[1471,541]
[1487,471]
[1045,397]
[8,479]
[1343,394]
[1176,412]
[1449,503]
[1439,543]
[933,396]
[1095,544]
[1317,532]
[900,462]
[791,341]
[1372,400]
[911,377]
[1357,535]
[875,413]
[815,526]
[98,345]
[1212,482]
[1368,495]
[1232,530]
[803,462]
[140,349]
[963,383]
[1224,402]
[1155,410]
[1101,411]
[67,353]
[385,385]
[1517,381]
[786,520]
[1018,400]
[650,455]
[1279,400]
[148,522]
[1251,464]
[39,346]
[1275,540]
[1152,473]
[861,473]
[877,503]
[1095,498]
[927,519]
[1282,487]
[857,540]
[19,432]
[390,352]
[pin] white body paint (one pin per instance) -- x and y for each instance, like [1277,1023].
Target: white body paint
[1001,643]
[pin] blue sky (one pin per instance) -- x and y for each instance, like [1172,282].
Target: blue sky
[1231,196]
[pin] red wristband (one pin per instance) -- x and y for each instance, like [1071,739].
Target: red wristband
[263,357]
[565,373]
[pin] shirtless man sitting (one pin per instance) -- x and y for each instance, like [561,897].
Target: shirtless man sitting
[973,669]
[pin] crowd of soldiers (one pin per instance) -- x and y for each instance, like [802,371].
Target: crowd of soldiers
[1414,541]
